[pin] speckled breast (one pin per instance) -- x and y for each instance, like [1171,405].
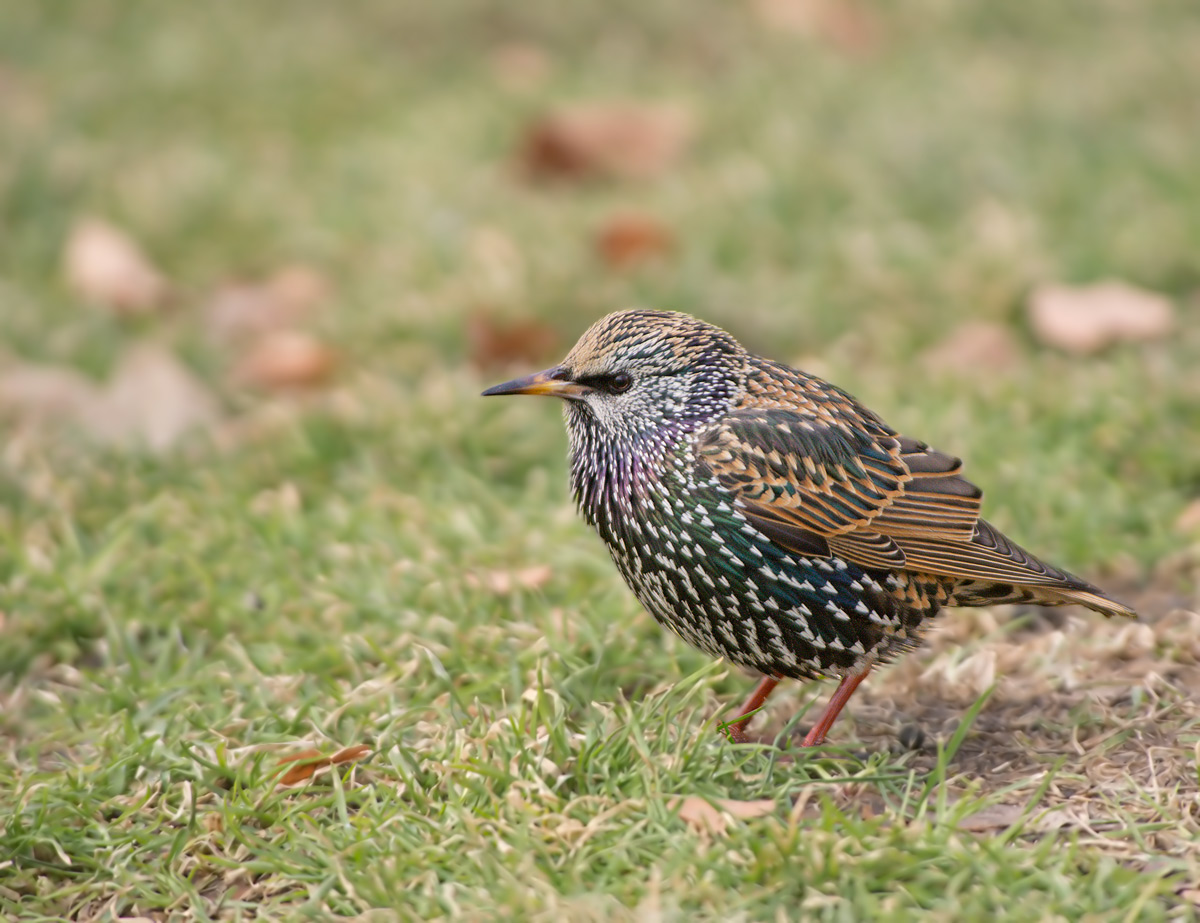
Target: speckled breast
[702,570]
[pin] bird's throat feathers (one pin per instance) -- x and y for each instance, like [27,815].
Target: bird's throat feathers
[613,475]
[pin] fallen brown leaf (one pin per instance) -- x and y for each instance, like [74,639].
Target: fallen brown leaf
[704,816]
[240,310]
[152,401]
[631,238]
[496,259]
[37,393]
[520,66]
[286,359]
[347,754]
[299,286]
[1188,521]
[847,25]
[503,582]
[624,140]
[105,266]
[976,346]
[1088,318]
[308,762]
[493,343]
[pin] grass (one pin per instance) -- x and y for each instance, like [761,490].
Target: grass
[317,576]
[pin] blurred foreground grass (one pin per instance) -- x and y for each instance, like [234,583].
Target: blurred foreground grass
[326,574]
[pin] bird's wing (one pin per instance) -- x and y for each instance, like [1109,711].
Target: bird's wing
[846,487]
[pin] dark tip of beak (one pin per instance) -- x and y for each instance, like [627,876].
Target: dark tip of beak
[508,387]
[555,382]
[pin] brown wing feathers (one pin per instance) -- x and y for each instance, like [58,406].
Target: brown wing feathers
[936,502]
[849,486]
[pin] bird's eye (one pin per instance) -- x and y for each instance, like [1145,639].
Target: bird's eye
[619,382]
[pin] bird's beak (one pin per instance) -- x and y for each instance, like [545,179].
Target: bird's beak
[552,382]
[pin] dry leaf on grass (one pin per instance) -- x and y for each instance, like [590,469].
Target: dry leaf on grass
[520,66]
[152,401]
[493,343]
[105,266]
[628,239]
[248,309]
[300,286]
[847,25]
[286,359]
[973,347]
[496,260]
[308,762]
[706,816]
[39,393]
[1088,318]
[624,140]
[503,582]
[1188,521]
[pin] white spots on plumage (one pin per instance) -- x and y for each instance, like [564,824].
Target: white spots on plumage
[778,645]
[814,640]
[751,641]
[685,545]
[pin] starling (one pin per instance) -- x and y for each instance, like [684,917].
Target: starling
[766,516]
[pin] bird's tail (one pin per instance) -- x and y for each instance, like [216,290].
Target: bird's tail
[1076,593]
[992,569]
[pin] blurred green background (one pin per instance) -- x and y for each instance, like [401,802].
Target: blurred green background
[854,183]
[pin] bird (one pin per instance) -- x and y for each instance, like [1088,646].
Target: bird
[766,516]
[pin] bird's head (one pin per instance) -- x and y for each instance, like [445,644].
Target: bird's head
[637,372]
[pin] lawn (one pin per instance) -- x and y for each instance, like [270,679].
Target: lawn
[370,562]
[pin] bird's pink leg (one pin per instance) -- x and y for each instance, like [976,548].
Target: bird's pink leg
[737,728]
[841,696]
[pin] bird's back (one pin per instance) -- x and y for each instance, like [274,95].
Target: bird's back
[822,471]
